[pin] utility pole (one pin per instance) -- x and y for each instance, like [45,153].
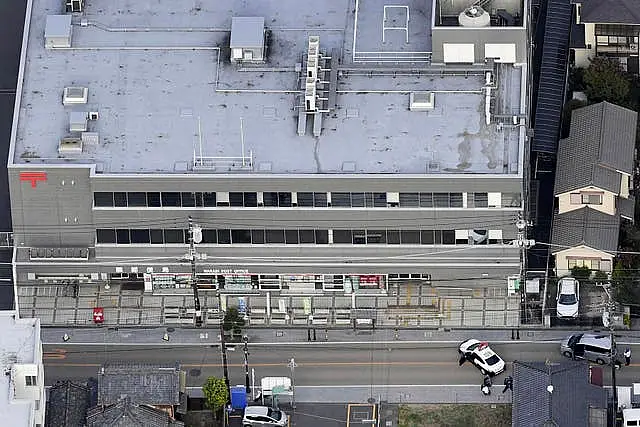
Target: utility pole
[247,383]
[523,243]
[609,309]
[292,365]
[195,236]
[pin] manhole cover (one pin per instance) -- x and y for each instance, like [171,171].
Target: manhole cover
[171,329]
[194,372]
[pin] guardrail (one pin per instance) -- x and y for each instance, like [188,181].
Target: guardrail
[392,57]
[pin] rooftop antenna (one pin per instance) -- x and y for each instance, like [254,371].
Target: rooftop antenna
[200,137]
[242,139]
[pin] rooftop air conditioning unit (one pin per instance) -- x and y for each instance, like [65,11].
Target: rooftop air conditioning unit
[74,6]
[75,95]
[70,145]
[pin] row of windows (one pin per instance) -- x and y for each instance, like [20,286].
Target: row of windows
[300,199]
[126,236]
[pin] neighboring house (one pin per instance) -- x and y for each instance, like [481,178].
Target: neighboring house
[22,392]
[157,386]
[594,181]
[67,404]
[556,394]
[125,413]
[606,28]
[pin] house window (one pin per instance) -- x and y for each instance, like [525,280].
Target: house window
[30,380]
[590,263]
[575,199]
[592,198]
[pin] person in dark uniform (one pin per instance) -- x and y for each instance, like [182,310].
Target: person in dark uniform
[627,356]
[486,385]
[508,384]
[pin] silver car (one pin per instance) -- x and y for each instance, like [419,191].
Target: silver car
[263,416]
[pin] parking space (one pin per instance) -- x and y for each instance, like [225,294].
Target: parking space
[322,415]
[361,415]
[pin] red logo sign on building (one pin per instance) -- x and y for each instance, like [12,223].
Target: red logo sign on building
[33,177]
[98,315]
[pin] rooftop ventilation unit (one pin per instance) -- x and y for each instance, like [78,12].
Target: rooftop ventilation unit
[310,95]
[422,101]
[74,6]
[70,145]
[57,31]
[75,95]
[312,57]
[90,138]
[474,16]
[77,121]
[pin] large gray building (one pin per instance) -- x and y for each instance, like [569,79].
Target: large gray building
[372,144]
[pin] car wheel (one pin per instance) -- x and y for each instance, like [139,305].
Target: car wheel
[567,354]
[600,362]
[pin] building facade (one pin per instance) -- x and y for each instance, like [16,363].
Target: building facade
[22,392]
[375,188]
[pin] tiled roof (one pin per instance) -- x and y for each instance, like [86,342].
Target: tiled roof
[143,384]
[610,11]
[568,403]
[601,141]
[627,207]
[127,414]
[67,405]
[585,226]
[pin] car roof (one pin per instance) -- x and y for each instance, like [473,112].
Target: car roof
[567,287]
[603,341]
[256,410]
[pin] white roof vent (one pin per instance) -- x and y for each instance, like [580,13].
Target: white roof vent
[422,101]
[77,121]
[70,145]
[474,16]
[90,138]
[75,95]
[57,31]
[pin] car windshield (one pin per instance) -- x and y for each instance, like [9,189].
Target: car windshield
[493,360]
[275,414]
[567,299]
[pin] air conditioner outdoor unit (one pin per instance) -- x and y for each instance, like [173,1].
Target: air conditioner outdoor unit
[75,95]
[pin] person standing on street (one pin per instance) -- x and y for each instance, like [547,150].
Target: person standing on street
[627,356]
[486,386]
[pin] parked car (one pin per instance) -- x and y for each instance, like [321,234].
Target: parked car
[592,347]
[480,354]
[568,297]
[262,416]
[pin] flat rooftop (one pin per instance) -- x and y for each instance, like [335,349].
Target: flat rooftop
[166,93]
[17,345]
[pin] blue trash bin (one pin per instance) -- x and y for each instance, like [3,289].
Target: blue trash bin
[238,397]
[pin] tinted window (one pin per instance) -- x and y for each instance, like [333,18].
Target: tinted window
[307,236]
[357,200]
[284,200]
[171,199]
[224,237]
[291,237]
[103,199]
[173,235]
[393,237]
[320,200]
[379,200]
[410,237]
[341,200]
[105,235]
[188,200]
[448,237]
[376,236]
[137,199]
[120,199]
[274,236]
[257,237]
[426,237]
[139,236]
[322,237]
[209,199]
[153,200]
[240,236]
[441,200]
[480,200]
[492,360]
[359,237]
[270,198]
[342,236]
[251,200]
[305,199]
[236,199]
[409,200]
[157,237]
[209,236]
[122,236]
[426,200]
[456,200]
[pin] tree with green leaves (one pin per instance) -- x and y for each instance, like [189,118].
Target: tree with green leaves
[605,80]
[215,393]
[233,322]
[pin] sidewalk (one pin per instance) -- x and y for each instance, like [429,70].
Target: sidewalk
[100,335]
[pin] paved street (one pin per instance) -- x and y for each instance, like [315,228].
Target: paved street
[329,373]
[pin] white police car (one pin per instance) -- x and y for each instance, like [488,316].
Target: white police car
[480,354]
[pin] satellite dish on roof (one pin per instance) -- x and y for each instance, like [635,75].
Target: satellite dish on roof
[197,235]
